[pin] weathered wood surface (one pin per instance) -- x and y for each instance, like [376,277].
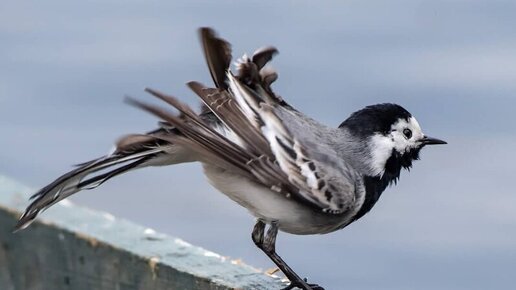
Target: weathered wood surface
[75,248]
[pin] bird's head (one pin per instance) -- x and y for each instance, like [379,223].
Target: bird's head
[390,138]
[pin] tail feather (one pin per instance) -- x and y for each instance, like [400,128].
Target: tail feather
[98,180]
[136,151]
[86,176]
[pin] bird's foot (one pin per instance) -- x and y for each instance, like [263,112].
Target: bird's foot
[303,285]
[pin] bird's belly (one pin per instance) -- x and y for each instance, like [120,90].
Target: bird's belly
[292,216]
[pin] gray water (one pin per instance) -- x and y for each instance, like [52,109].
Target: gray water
[450,222]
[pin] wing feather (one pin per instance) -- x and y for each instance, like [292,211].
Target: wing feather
[264,138]
[327,185]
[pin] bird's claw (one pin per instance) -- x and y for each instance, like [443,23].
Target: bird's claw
[302,285]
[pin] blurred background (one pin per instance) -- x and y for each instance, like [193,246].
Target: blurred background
[450,222]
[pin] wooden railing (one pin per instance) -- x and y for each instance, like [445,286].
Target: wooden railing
[75,248]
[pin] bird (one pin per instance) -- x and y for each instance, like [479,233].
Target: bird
[290,171]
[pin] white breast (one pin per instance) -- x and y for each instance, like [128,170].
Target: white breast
[292,216]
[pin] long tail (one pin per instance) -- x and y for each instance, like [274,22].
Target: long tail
[137,151]
[133,151]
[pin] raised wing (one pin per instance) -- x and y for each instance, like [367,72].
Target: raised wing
[271,142]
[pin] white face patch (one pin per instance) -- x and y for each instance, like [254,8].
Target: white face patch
[404,136]
[403,143]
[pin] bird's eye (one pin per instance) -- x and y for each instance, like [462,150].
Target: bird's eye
[407,133]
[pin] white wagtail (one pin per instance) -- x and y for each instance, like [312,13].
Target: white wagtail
[291,172]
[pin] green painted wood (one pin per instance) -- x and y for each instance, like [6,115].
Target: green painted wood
[74,248]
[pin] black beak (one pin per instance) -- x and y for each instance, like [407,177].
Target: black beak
[432,141]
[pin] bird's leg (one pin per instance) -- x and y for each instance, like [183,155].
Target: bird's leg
[267,244]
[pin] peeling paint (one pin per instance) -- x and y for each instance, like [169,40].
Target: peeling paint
[272,271]
[182,243]
[109,217]
[153,264]
[91,240]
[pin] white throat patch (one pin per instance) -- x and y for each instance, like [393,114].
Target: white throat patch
[381,150]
